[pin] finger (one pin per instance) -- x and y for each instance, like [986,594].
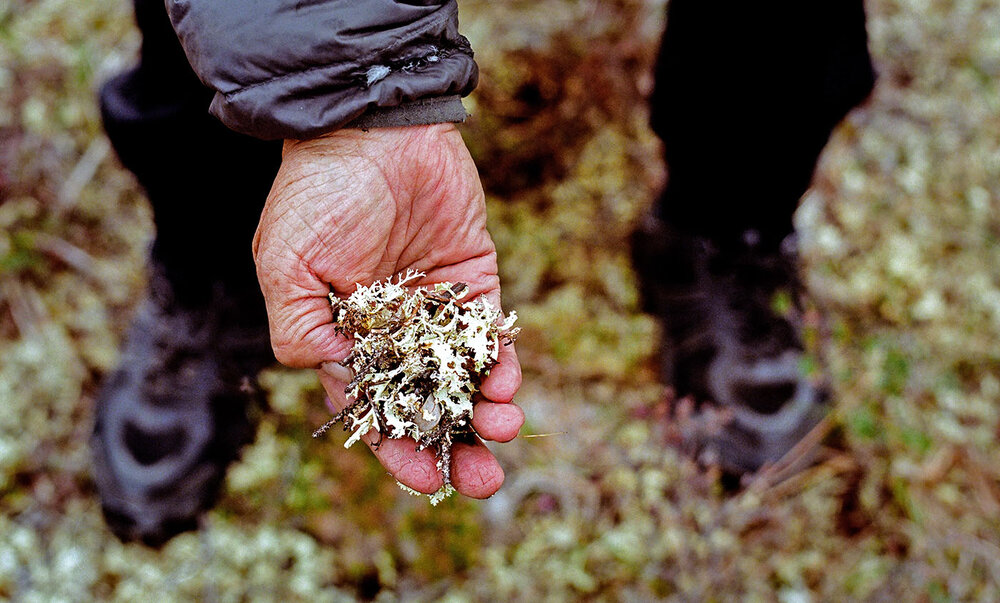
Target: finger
[338,371]
[497,422]
[504,378]
[400,457]
[412,468]
[492,421]
[475,472]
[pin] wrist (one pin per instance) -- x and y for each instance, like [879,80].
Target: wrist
[358,139]
[418,150]
[424,111]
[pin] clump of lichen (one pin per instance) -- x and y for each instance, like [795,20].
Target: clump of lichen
[418,358]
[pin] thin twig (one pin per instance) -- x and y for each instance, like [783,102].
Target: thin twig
[26,307]
[68,253]
[82,174]
[793,460]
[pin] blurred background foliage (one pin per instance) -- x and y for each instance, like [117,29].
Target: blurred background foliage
[900,251]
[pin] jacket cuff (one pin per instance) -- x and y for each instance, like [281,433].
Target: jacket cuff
[445,109]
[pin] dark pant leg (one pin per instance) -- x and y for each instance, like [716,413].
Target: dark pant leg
[206,184]
[746,96]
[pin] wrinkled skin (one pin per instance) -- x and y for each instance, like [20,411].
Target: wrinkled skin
[356,207]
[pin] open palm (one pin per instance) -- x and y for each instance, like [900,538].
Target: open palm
[356,207]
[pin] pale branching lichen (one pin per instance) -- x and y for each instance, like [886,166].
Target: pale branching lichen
[419,356]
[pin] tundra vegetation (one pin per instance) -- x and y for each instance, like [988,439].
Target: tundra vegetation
[899,498]
[417,359]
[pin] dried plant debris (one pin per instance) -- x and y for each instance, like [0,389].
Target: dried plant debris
[419,357]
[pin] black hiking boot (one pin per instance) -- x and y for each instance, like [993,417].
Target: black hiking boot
[724,343]
[174,414]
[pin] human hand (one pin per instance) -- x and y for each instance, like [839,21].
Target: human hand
[356,207]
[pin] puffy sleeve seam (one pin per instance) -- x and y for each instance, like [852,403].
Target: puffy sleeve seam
[362,75]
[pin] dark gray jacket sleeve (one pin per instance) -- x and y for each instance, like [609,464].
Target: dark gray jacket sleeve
[300,68]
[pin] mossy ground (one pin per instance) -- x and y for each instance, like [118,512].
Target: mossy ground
[901,254]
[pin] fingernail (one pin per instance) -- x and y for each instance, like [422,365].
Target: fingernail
[329,404]
[337,371]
